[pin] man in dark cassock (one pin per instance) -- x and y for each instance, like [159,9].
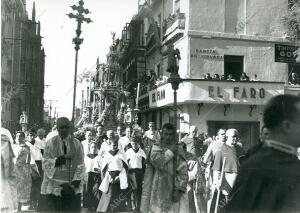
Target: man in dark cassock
[269,180]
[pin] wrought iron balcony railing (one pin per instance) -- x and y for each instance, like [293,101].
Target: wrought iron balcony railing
[174,21]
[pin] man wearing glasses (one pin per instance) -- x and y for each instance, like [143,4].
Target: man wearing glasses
[63,170]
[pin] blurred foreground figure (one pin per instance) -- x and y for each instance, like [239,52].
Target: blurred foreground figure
[7,201]
[63,170]
[268,180]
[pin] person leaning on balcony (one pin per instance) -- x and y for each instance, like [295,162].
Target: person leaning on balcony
[208,77]
[255,78]
[244,77]
[230,78]
[216,77]
[294,80]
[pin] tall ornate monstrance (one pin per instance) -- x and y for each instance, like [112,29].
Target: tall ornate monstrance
[109,93]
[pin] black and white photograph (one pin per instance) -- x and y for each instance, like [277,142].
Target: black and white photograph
[150,106]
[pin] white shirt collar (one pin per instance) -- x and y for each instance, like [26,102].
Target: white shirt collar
[281,147]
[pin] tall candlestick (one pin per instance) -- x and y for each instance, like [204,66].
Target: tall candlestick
[137,96]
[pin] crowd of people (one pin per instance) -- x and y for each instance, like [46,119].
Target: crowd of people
[230,77]
[106,170]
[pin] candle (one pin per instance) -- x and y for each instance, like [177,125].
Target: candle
[137,96]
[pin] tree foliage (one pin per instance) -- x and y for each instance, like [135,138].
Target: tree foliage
[292,19]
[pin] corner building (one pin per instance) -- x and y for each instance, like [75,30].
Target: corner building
[217,37]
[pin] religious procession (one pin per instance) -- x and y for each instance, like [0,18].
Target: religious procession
[97,169]
[172,106]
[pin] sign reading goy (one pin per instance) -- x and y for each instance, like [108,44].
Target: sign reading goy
[285,53]
[223,92]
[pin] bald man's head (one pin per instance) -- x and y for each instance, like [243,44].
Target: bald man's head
[63,127]
[232,136]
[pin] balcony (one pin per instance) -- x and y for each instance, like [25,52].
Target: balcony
[173,25]
[292,89]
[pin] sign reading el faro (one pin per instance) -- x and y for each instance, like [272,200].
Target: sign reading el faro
[222,92]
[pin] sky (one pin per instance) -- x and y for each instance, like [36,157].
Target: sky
[58,30]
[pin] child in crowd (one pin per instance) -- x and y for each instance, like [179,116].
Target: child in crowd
[93,165]
[136,168]
[114,184]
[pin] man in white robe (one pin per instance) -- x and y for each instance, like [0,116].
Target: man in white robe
[64,169]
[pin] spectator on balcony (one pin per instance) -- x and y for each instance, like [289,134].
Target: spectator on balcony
[244,77]
[230,78]
[294,80]
[216,77]
[152,79]
[208,77]
[255,78]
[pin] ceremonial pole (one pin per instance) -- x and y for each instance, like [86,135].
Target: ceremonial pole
[79,16]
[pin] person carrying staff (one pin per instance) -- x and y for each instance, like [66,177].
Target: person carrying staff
[232,152]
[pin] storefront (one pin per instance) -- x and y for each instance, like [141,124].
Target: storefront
[211,105]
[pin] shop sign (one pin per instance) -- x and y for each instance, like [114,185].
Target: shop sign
[161,96]
[285,53]
[206,53]
[220,92]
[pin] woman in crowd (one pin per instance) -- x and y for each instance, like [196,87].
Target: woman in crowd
[22,169]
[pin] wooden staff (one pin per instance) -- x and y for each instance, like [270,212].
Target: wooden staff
[219,190]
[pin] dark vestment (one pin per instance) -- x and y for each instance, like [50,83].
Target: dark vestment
[232,155]
[92,195]
[268,181]
[136,177]
[117,197]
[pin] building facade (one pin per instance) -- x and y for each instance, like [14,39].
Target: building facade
[22,66]
[223,37]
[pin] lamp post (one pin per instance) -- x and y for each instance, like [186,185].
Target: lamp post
[79,16]
[173,56]
[175,80]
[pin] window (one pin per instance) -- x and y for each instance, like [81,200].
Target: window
[233,65]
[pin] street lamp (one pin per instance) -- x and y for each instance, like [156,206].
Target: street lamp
[79,16]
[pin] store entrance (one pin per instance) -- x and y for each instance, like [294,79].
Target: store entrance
[249,131]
